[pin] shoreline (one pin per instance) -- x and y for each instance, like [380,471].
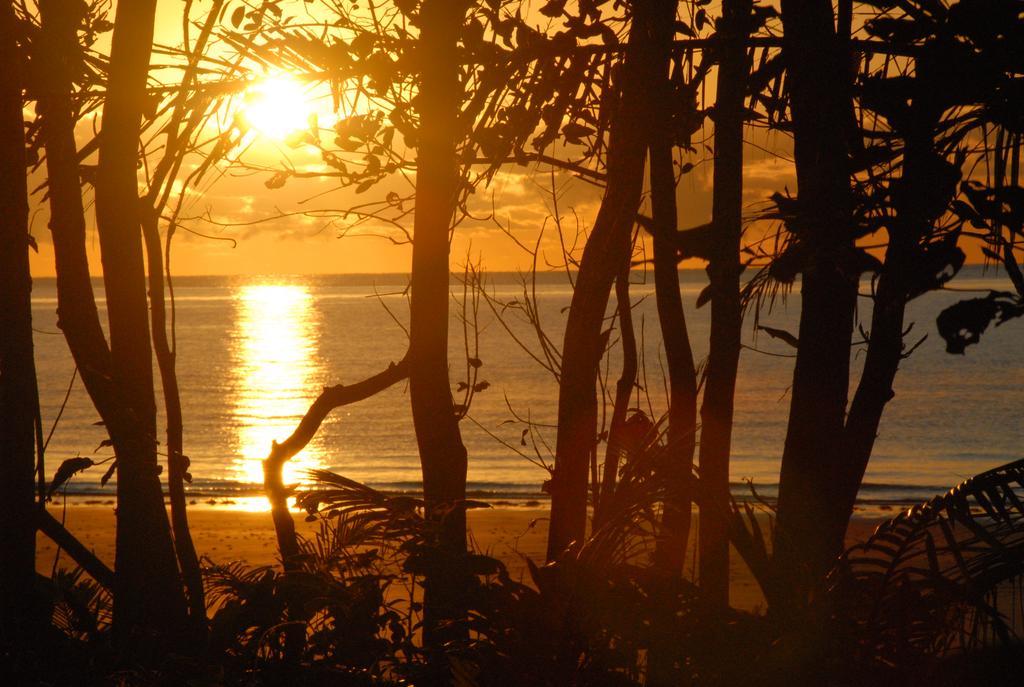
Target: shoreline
[254,501]
[222,534]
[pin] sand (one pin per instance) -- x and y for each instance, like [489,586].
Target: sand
[224,534]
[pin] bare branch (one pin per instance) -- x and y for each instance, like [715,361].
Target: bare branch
[332,397]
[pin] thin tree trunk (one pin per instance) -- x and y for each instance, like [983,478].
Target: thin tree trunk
[442,454]
[806,539]
[677,464]
[77,315]
[623,393]
[726,316]
[177,462]
[885,340]
[149,593]
[161,183]
[675,468]
[18,393]
[874,391]
[606,248]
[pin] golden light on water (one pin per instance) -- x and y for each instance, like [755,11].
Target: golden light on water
[278,370]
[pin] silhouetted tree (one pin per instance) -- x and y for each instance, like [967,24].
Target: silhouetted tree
[607,246]
[190,113]
[149,591]
[903,176]
[818,79]
[438,188]
[618,427]
[19,404]
[676,466]
[148,594]
[431,124]
[724,268]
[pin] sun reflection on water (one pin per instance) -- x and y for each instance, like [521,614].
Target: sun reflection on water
[277,364]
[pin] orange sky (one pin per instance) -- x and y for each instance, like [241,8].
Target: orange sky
[296,244]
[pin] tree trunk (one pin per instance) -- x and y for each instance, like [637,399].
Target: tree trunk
[606,248]
[161,183]
[726,314]
[77,315]
[280,453]
[177,462]
[894,289]
[149,593]
[806,539]
[18,392]
[438,183]
[677,464]
[623,393]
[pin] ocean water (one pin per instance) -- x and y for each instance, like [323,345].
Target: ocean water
[253,352]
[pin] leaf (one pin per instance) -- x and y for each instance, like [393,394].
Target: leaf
[939,263]
[363,44]
[608,36]
[700,19]
[105,442]
[277,180]
[704,296]
[406,7]
[109,473]
[963,323]
[780,334]
[573,132]
[237,16]
[968,214]
[940,554]
[898,30]
[481,386]
[475,362]
[372,165]
[67,470]
[553,8]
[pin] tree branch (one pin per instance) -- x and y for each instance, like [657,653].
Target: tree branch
[280,453]
[52,528]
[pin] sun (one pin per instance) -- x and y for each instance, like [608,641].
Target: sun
[277,107]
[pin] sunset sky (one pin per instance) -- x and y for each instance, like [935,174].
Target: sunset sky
[269,244]
[240,207]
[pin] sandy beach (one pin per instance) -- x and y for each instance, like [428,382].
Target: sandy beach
[224,534]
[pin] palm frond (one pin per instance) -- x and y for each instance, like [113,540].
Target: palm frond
[336,495]
[82,608]
[927,581]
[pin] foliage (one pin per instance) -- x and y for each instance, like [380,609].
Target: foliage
[81,607]
[922,588]
[928,580]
